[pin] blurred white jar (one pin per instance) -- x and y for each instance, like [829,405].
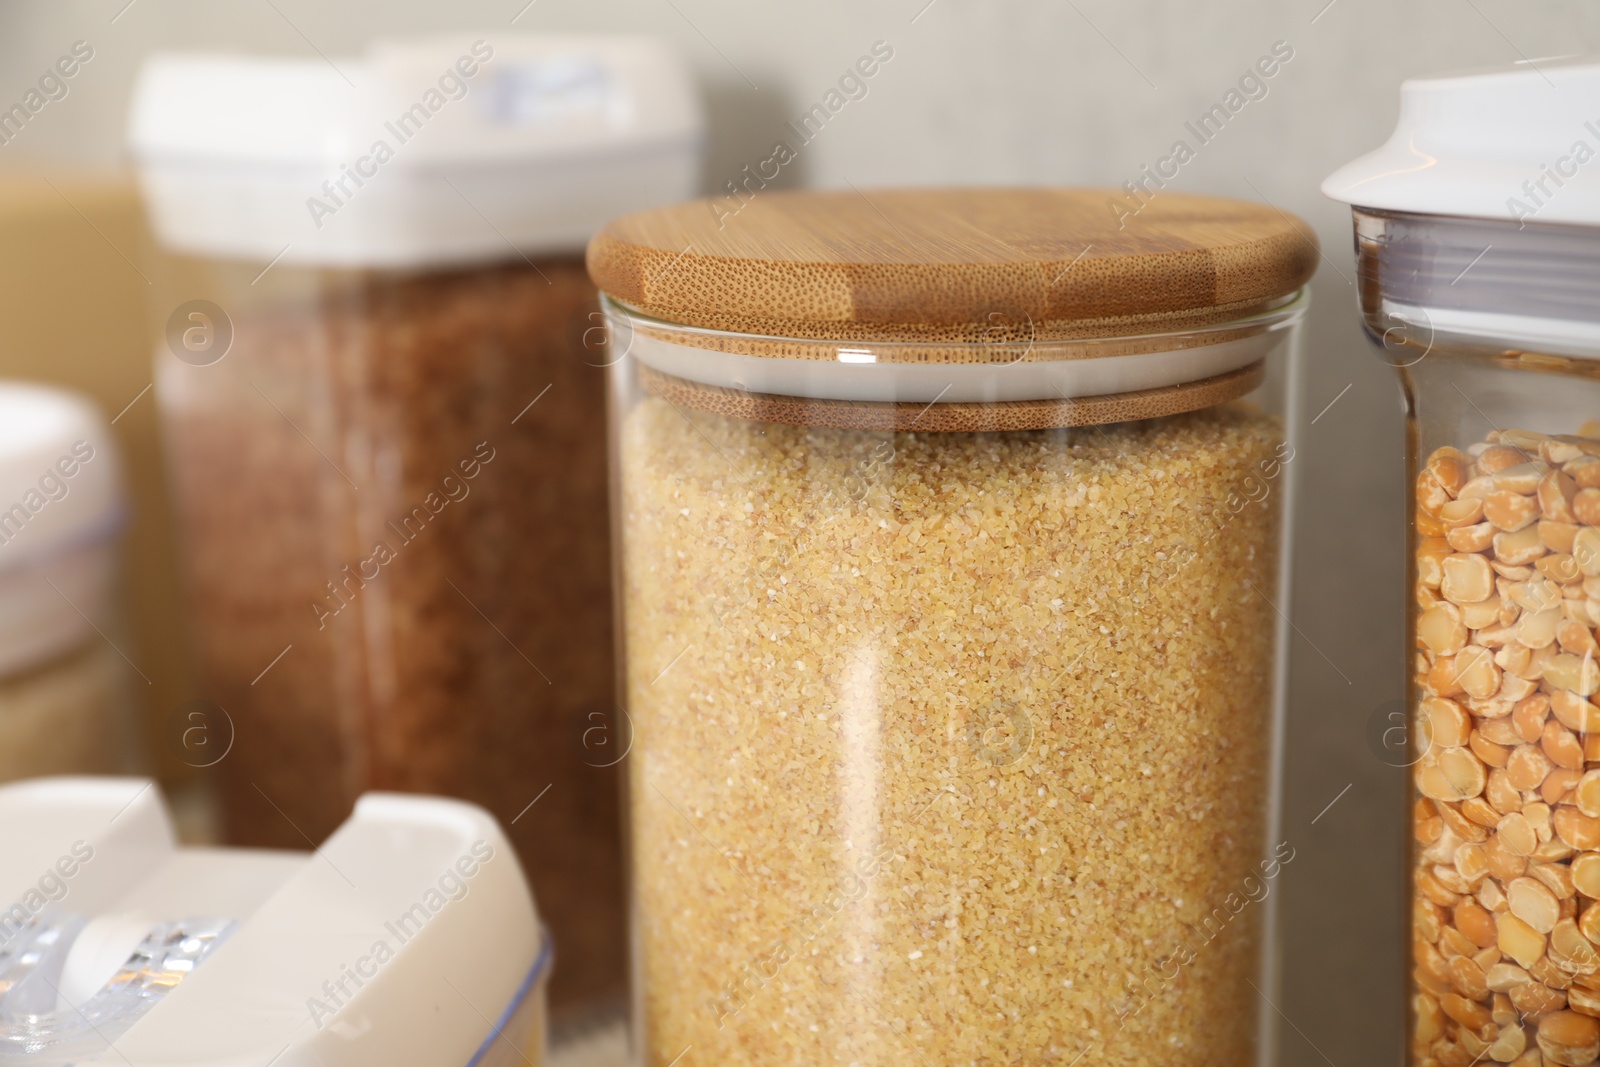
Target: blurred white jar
[63,683]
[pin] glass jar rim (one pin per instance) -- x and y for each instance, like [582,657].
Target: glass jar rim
[1014,383]
[1287,308]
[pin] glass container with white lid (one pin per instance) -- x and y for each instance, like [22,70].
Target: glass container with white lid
[1477,238]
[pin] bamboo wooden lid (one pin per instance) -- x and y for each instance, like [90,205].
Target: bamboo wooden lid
[952,265]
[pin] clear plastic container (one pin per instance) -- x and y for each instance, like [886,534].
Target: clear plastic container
[65,659]
[952,603]
[385,431]
[409,936]
[394,585]
[1489,309]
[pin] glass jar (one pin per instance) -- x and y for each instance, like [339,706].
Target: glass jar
[951,578]
[65,662]
[1489,309]
[385,432]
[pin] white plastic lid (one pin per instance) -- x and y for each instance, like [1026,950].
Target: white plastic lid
[858,376]
[441,150]
[435,880]
[1519,143]
[61,505]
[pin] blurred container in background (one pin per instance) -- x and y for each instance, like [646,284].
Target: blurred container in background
[380,947]
[385,424]
[63,683]
[70,243]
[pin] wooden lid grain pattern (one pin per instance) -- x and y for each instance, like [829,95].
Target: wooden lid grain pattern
[952,265]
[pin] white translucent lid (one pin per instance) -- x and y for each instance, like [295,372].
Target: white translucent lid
[61,503]
[435,881]
[424,151]
[1519,143]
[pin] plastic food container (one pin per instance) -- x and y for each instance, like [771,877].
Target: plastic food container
[1478,246]
[409,937]
[382,395]
[64,671]
[952,592]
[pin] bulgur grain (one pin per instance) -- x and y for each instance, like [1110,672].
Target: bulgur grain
[949,745]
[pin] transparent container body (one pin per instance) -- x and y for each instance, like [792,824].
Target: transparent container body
[391,490]
[1493,330]
[952,747]
[521,1037]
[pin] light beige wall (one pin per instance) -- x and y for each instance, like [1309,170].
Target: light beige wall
[1077,91]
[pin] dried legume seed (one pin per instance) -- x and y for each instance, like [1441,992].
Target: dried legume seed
[1517,548]
[1536,998]
[1491,754]
[1522,479]
[1556,877]
[1476,923]
[1557,536]
[1584,1000]
[1533,903]
[1580,831]
[1509,1045]
[1586,874]
[1557,785]
[1556,492]
[1498,458]
[1561,746]
[1509,510]
[1586,505]
[1508,873]
[1467,578]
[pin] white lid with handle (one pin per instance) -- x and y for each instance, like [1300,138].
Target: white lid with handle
[404,939]
[1520,143]
[420,152]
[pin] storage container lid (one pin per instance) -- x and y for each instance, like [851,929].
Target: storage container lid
[61,501]
[404,939]
[952,309]
[419,152]
[952,265]
[1519,143]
